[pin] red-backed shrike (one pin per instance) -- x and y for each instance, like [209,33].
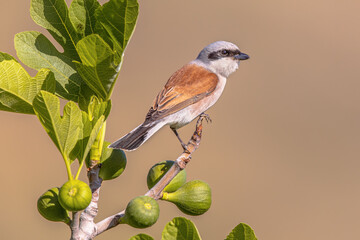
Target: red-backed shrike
[189,92]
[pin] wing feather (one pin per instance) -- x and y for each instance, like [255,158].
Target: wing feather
[185,87]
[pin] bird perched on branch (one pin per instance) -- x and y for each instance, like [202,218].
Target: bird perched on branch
[188,93]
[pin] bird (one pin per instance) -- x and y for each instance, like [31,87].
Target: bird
[188,93]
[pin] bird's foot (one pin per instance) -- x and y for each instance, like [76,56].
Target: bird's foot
[204,116]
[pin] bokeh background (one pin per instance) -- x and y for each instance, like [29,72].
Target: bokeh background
[282,153]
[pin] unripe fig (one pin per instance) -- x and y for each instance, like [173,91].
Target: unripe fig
[194,198]
[49,207]
[141,212]
[113,162]
[158,171]
[75,195]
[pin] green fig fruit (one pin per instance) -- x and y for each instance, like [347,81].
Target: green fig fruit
[194,198]
[113,162]
[49,207]
[141,212]
[75,195]
[158,171]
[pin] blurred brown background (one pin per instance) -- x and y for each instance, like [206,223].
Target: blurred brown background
[282,153]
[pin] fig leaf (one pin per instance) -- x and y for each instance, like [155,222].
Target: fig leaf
[18,89]
[141,236]
[54,16]
[82,15]
[242,232]
[36,51]
[92,121]
[180,228]
[117,21]
[98,67]
[63,130]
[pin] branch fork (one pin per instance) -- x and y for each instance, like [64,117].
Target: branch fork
[83,226]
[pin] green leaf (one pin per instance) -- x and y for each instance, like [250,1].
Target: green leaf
[54,16]
[98,108]
[37,52]
[77,15]
[98,67]
[87,136]
[117,19]
[242,232]
[180,229]
[82,15]
[92,120]
[86,102]
[5,56]
[141,236]
[63,130]
[18,89]
[85,96]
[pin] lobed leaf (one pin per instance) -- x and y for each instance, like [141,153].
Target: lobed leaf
[242,232]
[5,56]
[87,56]
[87,137]
[77,15]
[85,96]
[118,18]
[98,108]
[18,89]
[180,228]
[97,68]
[82,16]
[54,16]
[141,236]
[92,120]
[63,130]
[37,52]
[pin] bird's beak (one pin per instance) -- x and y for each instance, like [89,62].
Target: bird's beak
[241,56]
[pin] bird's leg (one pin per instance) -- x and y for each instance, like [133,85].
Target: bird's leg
[177,135]
[204,116]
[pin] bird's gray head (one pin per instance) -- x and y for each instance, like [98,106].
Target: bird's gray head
[221,57]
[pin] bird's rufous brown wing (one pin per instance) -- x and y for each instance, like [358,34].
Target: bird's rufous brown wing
[186,86]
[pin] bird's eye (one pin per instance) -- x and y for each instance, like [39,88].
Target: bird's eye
[225,52]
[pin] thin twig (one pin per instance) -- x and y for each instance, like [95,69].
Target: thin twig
[156,191]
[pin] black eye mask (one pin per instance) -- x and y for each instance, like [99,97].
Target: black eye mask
[221,54]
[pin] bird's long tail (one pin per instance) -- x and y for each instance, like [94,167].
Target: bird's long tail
[136,137]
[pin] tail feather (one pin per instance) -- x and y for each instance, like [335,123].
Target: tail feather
[136,137]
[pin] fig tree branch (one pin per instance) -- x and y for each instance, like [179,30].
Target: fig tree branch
[74,226]
[86,228]
[156,191]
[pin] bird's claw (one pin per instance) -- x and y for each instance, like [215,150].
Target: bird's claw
[206,117]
